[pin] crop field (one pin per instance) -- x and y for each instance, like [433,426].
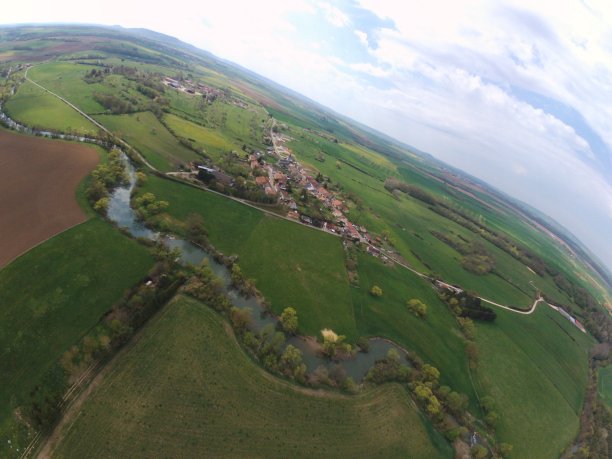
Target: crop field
[38,182]
[605,385]
[292,265]
[186,386]
[535,368]
[52,295]
[36,108]
[151,138]
[213,142]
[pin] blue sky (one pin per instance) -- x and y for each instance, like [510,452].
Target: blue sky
[518,93]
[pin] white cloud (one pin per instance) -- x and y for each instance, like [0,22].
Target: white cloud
[362,37]
[333,15]
[370,69]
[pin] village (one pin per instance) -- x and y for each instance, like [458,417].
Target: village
[304,195]
[280,178]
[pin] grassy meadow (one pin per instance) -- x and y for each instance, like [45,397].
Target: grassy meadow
[541,358]
[536,369]
[605,385]
[211,140]
[151,138]
[436,338]
[34,107]
[52,295]
[187,386]
[292,265]
[241,126]
[66,79]
[409,222]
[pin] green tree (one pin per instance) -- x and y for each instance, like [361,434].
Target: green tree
[393,357]
[491,418]
[467,326]
[457,402]
[291,360]
[194,228]
[101,205]
[417,307]
[376,291]
[350,386]
[487,403]
[433,405]
[291,357]
[364,344]
[430,373]
[479,452]
[289,320]
[241,318]
[422,391]
[274,343]
[505,449]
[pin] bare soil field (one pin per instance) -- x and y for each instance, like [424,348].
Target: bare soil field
[38,180]
[76,44]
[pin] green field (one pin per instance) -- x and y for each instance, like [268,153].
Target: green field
[436,339]
[187,389]
[409,222]
[292,265]
[151,138]
[546,349]
[186,384]
[34,107]
[536,369]
[211,140]
[240,126]
[66,79]
[605,385]
[51,296]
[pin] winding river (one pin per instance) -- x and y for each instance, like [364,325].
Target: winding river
[121,213]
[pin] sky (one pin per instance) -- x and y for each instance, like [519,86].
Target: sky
[517,93]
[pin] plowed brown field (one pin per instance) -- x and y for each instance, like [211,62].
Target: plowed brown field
[38,181]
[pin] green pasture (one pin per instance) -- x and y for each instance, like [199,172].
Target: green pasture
[34,107]
[240,126]
[151,138]
[66,79]
[436,338]
[605,385]
[535,368]
[51,296]
[212,141]
[292,265]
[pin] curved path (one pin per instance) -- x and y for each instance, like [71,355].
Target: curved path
[242,201]
[91,120]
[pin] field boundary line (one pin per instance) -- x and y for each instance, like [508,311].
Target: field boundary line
[46,240]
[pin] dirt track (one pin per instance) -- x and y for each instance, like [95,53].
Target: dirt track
[38,179]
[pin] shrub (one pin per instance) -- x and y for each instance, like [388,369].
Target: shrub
[376,291]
